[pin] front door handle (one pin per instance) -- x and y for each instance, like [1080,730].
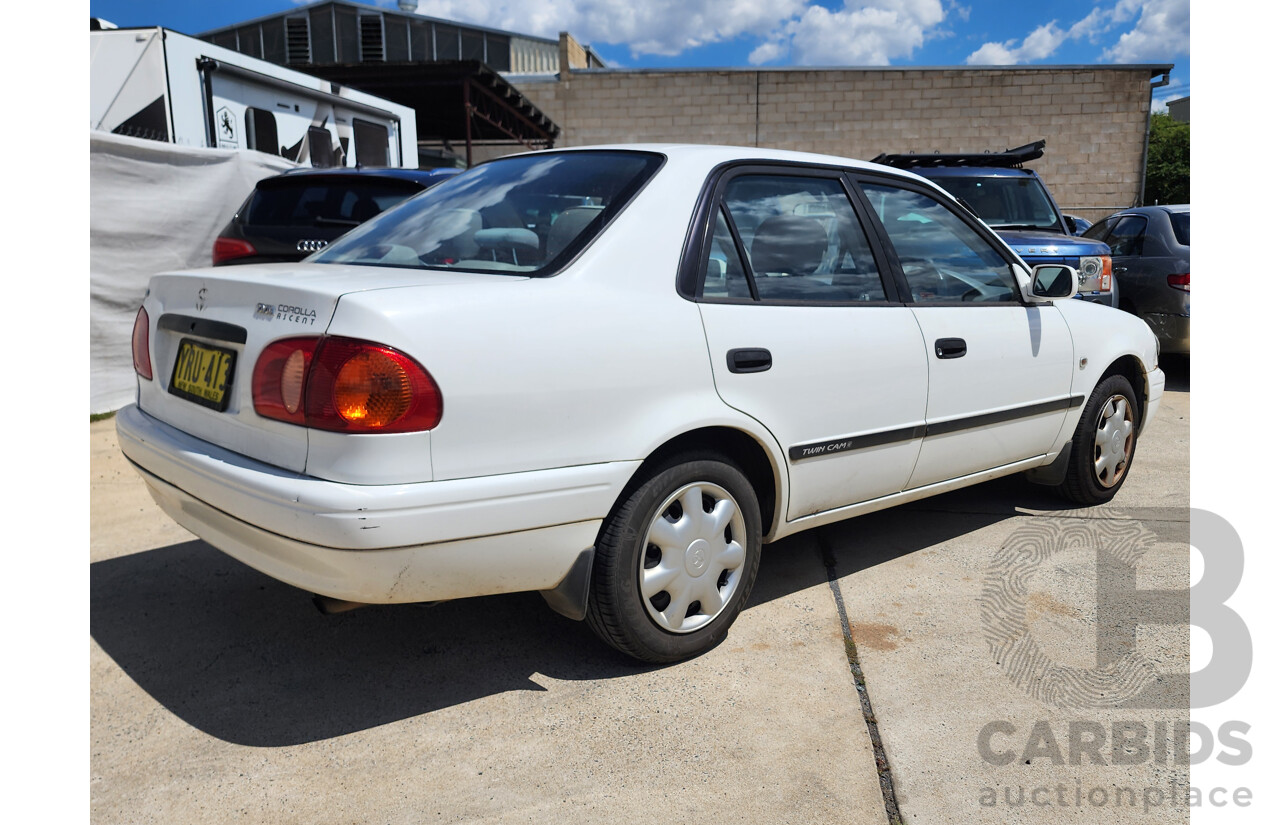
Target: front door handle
[750,359]
[950,348]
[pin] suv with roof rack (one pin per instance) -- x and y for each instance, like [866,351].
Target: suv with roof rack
[1016,204]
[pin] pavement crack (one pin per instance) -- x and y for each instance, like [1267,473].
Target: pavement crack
[883,771]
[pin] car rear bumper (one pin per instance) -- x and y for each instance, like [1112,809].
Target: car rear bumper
[377,544]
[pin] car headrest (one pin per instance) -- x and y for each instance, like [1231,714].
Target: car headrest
[790,244]
[568,225]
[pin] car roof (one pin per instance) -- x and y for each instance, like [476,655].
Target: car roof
[423,176]
[711,155]
[1171,209]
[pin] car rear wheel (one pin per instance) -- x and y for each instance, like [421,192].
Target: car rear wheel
[675,561]
[1103,445]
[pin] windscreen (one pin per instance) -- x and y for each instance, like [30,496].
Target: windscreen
[526,214]
[1005,203]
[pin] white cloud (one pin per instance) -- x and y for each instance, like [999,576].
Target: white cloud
[767,52]
[799,32]
[863,33]
[1038,45]
[662,27]
[1163,31]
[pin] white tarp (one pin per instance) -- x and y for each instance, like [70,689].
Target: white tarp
[153,207]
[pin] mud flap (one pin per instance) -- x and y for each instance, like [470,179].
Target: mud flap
[1052,474]
[569,597]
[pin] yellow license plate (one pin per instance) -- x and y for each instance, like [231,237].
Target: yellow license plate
[203,374]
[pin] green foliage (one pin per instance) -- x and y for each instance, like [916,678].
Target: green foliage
[1168,162]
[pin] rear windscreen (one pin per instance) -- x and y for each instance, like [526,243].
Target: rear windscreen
[317,201]
[527,214]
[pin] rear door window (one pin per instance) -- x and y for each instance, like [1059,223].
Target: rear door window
[801,241]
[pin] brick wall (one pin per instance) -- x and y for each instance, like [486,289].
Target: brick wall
[1093,119]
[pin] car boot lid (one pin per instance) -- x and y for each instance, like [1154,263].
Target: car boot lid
[230,315]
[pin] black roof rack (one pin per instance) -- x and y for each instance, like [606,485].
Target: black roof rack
[1009,158]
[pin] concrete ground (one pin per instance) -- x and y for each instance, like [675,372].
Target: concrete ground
[875,674]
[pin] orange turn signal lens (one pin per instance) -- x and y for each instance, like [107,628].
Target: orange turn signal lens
[372,389]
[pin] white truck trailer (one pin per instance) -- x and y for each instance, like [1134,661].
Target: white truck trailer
[158,84]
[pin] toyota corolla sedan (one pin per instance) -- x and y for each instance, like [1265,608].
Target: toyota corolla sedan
[611,374]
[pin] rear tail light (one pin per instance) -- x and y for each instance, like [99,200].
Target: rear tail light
[344,385]
[142,344]
[228,249]
[1182,282]
[279,378]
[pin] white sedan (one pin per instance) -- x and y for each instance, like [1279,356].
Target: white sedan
[611,374]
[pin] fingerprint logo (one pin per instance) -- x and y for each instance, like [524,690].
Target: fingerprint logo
[1121,673]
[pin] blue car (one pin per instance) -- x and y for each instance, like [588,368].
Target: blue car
[1016,204]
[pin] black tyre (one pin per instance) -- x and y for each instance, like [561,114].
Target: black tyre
[675,561]
[1104,443]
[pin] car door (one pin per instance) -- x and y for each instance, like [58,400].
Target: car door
[999,370]
[1140,263]
[807,337]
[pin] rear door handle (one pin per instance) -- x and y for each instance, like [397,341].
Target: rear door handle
[950,348]
[750,359]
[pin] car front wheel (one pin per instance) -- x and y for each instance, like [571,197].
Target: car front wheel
[675,561]
[1103,445]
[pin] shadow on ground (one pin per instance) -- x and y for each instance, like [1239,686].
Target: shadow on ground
[250,661]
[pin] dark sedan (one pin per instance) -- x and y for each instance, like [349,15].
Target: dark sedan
[1151,263]
[291,215]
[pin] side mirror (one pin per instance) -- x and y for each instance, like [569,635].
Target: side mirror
[1071,224]
[1054,281]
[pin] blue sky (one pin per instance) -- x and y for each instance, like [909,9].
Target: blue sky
[674,33]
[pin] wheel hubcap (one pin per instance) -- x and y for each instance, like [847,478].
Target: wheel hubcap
[1113,441]
[693,559]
